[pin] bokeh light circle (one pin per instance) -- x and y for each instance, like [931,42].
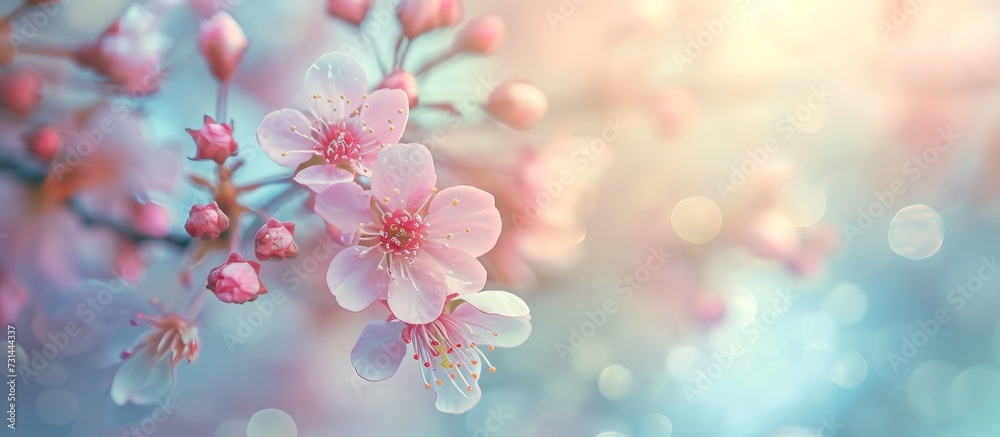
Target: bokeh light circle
[271,422]
[57,406]
[615,382]
[802,204]
[916,232]
[846,303]
[849,370]
[696,219]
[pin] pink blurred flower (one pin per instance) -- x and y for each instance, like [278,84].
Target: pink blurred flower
[415,245]
[129,52]
[351,11]
[20,91]
[275,239]
[222,43]
[449,348]
[420,16]
[149,372]
[402,80]
[517,104]
[206,222]
[45,142]
[481,35]
[346,129]
[237,280]
[214,140]
[151,218]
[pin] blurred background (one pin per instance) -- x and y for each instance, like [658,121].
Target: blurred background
[734,218]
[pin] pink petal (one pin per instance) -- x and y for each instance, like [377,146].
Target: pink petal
[403,174]
[142,381]
[499,303]
[417,290]
[463,273]
[379,350]
[344,206]
[383,106]
[354,278]
[511,331]
[285,146]
[334,85]
[469,215]
[454,396]
[321,177]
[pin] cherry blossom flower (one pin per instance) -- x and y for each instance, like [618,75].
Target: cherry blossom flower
[414,245]
[149,372]
[448,348]
[214,140]
[129,51]
[346,129]
[236,280]
[206,222]
[275,240]
[45,142]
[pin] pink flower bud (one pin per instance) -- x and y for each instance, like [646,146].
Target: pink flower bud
[44,142]
[481,35]
[20,91]
[419,16]
[402,80]
[129,51]
[450,12]
[214,140]
[517,104]
[275,239]
[223,44]
[237,280]
[351,11]
[206,222]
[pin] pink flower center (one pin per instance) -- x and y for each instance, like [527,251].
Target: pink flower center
[402,232]
[337,144]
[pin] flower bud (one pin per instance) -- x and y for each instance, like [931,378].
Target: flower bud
[402,80]
[517,104]
[20,91]
[214,140]
[351,11]
[419,16]
[151,218]
[206,222]
[44,142]
[237,280]
[481,35]
[222,43]
[450,12]
[275,239]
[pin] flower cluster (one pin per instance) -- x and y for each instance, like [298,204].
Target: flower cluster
[412,247]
